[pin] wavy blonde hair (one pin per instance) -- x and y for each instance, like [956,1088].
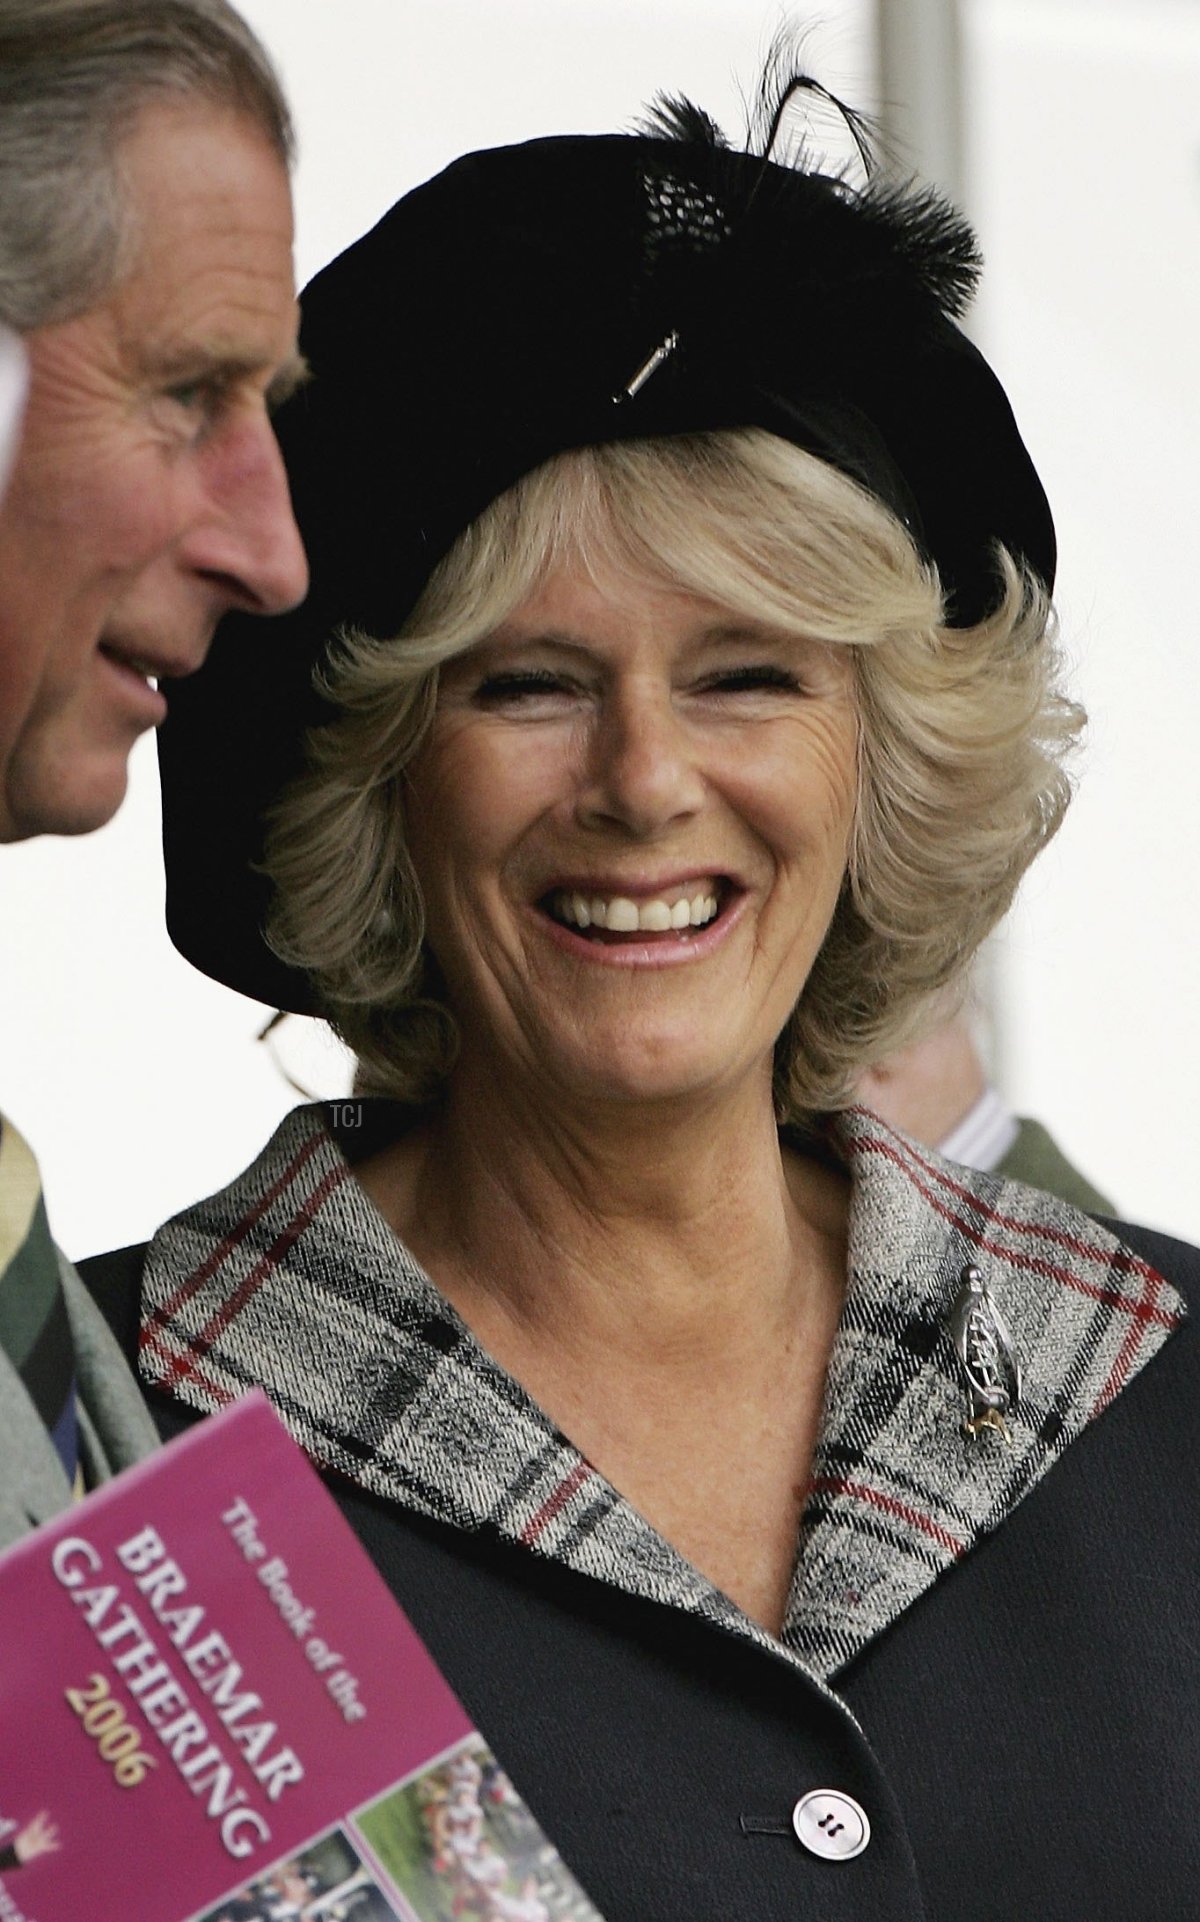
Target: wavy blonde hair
[963,736]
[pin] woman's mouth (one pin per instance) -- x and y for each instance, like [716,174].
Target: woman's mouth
[604,917]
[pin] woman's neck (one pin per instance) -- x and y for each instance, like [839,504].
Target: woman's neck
[620,1225]
[665,1285]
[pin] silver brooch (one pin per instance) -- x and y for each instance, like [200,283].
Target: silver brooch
[988,1357]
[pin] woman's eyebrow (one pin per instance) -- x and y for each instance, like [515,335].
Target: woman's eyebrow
[743,631]
[556,637]
[751,633]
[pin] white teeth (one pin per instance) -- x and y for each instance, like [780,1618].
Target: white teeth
[656,916]
[620,915]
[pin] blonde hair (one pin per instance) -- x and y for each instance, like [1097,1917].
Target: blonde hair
[963,737]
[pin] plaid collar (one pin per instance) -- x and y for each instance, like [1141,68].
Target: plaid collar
[291,1279]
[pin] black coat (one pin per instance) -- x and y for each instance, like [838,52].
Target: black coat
[1027,1736]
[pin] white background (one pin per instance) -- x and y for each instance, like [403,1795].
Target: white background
[1084,157]
[141,1084]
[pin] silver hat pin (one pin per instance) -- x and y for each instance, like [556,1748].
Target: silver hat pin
[988,1357]
[666,347]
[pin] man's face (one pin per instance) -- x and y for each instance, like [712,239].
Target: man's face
[148,496]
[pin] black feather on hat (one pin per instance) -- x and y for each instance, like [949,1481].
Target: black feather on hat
[564,293]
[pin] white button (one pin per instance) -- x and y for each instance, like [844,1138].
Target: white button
[831,1824]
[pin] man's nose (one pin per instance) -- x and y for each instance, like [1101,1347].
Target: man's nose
[643,770]
[250,544]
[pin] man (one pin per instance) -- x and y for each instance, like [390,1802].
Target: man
[937,1090]
[146,260]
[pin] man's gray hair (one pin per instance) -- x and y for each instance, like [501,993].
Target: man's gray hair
[74,75]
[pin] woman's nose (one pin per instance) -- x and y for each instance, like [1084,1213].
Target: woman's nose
[643,770]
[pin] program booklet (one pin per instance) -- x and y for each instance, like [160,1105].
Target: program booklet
[213,1710]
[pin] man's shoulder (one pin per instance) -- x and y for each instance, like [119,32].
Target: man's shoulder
[114,1282]
[1035,1158]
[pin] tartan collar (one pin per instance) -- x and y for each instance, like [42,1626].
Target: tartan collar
[289,1278]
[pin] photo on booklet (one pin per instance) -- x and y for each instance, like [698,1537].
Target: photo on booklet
[457,1840]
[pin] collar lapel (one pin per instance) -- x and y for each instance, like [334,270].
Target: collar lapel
[35,1486]
[290,1279]
[899,1491]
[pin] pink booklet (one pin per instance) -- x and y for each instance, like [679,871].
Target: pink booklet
[212,1710]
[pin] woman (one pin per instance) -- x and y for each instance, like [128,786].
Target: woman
[693,718]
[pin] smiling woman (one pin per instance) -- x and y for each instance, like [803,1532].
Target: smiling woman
[687,710]
[795,593]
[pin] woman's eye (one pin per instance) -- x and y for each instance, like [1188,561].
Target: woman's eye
[753,678]
[520,687]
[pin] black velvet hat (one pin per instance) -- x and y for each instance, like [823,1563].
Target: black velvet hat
[559,294]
